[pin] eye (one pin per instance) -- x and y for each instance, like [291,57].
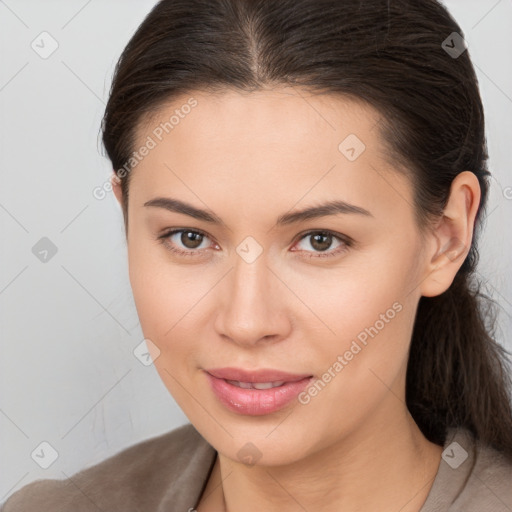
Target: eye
[322,240]
[187,242]
[190,239]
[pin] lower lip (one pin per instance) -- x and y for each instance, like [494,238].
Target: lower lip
[256,402]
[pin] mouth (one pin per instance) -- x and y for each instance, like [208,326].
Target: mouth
[256,385]
[256,392]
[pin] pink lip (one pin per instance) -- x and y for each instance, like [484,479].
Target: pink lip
[263,375]
[255,402]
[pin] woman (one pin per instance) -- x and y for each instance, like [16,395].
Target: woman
[302,184]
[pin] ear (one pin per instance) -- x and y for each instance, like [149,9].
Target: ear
[116,187]
[451,238]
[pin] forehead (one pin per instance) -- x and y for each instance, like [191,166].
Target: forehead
[282,116]
[285,144]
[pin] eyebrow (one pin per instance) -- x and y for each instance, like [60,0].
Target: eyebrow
[322,210]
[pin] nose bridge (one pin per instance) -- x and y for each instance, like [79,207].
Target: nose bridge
[253,309]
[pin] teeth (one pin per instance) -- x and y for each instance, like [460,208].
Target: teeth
[256,385]
[245,385]
[268,385]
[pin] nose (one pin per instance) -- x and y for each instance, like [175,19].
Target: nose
[254,304]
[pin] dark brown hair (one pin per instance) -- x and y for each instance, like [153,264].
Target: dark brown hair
[390,55]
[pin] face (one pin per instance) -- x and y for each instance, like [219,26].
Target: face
[328,297]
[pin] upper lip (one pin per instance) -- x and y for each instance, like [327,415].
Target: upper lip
[261,375]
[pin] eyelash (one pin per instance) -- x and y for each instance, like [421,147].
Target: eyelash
[346,241]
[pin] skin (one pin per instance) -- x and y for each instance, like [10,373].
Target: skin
[250,158]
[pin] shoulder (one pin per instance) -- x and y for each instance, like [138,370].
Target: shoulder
[135,479]
[472,477]
[489,485]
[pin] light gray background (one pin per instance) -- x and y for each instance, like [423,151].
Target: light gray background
[69,326]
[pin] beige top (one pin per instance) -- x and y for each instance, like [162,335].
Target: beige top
[168,474]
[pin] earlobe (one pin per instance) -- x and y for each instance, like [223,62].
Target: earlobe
[116,187]
[452,237]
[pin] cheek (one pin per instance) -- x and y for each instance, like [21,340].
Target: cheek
[164,300]
[372,327]
[170,301]
[371,309]
[351,297]
[161,289]
[364,369]
[158,292]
